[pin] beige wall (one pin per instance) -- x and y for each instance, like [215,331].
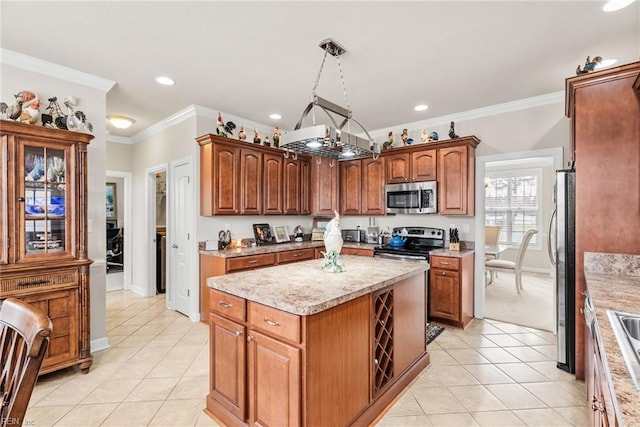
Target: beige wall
[119,157]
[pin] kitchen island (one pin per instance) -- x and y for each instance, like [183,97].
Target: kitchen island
[293,345]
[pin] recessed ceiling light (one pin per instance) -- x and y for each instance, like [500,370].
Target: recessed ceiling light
[275,116]
[613,5]
[164,80]
[606,63]
[121,122]
[420,107]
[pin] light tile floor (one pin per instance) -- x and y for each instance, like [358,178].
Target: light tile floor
[156,373]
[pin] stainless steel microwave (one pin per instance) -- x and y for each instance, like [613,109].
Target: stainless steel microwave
[412,198]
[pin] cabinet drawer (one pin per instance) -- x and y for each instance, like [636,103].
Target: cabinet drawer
[248,262]
[294,256]
[357,251]
[226,304]
[274,322]
[38,282]
[445,262]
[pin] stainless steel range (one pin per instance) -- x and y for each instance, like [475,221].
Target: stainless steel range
[418,241]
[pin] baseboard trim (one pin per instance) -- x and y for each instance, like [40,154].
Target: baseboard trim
[100,344]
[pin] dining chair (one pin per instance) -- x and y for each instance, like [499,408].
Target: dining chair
[494,265]
[492,235]
[24,338]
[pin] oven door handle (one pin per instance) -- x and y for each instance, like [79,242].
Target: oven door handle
[402,257]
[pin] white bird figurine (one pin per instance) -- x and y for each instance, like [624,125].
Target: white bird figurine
[332,235]
[423,135]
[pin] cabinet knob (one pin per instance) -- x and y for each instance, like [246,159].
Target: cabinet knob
[238,333]
[582,311]
[224,304]
[249,338]
[21,199]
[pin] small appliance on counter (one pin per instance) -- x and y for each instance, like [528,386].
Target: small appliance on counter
[353,235]
[262,234]
[372,231]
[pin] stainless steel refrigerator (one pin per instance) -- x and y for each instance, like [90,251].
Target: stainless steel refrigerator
[562,251]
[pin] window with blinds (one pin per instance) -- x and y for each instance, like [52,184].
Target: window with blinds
[513,201]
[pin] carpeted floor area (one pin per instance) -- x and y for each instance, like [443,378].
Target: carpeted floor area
[533,307]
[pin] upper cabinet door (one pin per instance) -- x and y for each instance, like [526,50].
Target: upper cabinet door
[398,168]
[324,186]
[225,179]
[373,202]
[350,187]
[272,188]
[47,200]
[250,182]
[291,187]
[423,165]
[455,186]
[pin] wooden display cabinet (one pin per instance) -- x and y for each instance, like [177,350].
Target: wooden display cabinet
[43,252]
[411,166]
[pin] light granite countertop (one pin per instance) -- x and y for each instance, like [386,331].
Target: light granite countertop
[302,288]
[449,253]
[280,247]
[613,282]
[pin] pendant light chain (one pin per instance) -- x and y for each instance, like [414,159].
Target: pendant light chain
[315,86]
[344,89]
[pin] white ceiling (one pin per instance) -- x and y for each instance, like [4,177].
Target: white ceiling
[251,59]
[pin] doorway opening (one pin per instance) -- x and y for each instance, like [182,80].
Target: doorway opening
[515,191]
[118,230]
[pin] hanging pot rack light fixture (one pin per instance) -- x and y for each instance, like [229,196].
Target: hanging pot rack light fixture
[333,142]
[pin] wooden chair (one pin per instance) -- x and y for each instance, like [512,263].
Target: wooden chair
[24,338]
[515,267]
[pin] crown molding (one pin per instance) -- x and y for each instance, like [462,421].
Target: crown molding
[118,139]
[492,110]
[30,63]
[172,120]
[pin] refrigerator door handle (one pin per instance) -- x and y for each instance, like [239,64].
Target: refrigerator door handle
[552,231]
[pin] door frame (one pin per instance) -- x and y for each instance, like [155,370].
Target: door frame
[128,222]
[150,192]
[558,160]
[193,285]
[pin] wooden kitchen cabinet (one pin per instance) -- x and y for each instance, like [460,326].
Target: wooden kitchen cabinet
[272,190]
[250,182]
[604,108]
[362,187]
[291,361]
[456,180]
[43,255]
[239,178]
[411,166]
[451,289]
[324,183]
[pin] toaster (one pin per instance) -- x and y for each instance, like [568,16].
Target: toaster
[353,235]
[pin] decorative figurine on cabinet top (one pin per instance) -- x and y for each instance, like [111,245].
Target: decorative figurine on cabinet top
[433,136]
[333,245]
[405,137]
[256,136]
[223,129]
[452,131]
[389,142]
[589,65]
[267,143]
[423,135]
[276,137]
[242,135]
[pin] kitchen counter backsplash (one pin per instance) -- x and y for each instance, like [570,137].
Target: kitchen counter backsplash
[618,264]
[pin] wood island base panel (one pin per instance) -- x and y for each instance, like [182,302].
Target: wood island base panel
[295,346]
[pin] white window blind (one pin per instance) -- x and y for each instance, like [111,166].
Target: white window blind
[513,201]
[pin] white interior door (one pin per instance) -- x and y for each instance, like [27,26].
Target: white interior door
[180,238]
